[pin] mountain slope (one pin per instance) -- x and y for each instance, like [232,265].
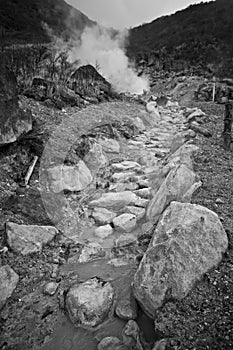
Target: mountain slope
[201,34]
[25,21]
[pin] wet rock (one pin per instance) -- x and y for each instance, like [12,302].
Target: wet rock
[111,343]
[125,222]
[71,178]
[89,252]
[89,303]
[26,239]
[114,201]
[50,288]
[137,211]
[8,283]
[131,336]
[103,216]
[104,231]
[174,187]
[110,145]
[13,121]
[143,192]
[95,159]
[188,241]
[126,165]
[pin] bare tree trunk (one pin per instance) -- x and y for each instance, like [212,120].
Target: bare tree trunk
[227,126]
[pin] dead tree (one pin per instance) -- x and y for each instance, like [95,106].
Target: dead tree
[227,126]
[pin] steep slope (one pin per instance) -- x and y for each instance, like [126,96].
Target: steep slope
[201,34]
[25,21]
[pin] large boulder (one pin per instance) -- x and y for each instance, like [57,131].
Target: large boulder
[88,303]
[71,178]
[188,241]
[174,187]
[26,239]
[8,283]
[13,121]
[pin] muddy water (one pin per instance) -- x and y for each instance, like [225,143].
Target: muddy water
[68,337]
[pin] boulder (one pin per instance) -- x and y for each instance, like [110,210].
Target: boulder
[125,239]
[71,178]
[174,187]
[26,239]
[89,252]
[110,145]
[137,211]
[126,165]
[89,303]
[103,216]
[13,120]
[188,241]
[125,222]
[8,283]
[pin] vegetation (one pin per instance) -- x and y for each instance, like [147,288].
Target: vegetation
[199,36]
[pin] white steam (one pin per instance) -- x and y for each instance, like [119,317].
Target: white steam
[103,49]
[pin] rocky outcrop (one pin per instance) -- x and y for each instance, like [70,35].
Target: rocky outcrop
[13,120]
[188,241]
[89,303]
[26,239]
[8,283]
[71,178]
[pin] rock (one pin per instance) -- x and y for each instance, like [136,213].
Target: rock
[143,192]
[8,283]
[71,178]
[194,115]
[110,145]
[123,186]
[111,343]
[13,120]
[126,306]
[125,239]
[95,159]
[143,183]
[139,123]
[219,201]
[188,241]
[114,201]
[103,216]
[125,222]
[137,211]
[88,303]
[183,155]
[160,345]
[131,336]
[126,165]
[89,252]
[26,239]
[104,231]
[174,187]
[122,177]
[50,288]
[195,127]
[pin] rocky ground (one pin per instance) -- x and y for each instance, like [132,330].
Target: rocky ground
[102,230]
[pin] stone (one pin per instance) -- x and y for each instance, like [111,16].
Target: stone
[109,145]
[125,239]
[188,241]
[126,165]
[143,192]
[71,178]
[137,211]
[143,183]
[123,186]
[139,123]
[103,216]
[95,158]
[89,252]
[26,239]
[126,307]
[160,345]
[50,288]
[14,121]
[183,155]
[174,187]
[114,201]
[122,177]
[89,303]
[8,282]
[195,115]
[104,231]
[131,336]
[111,343]
[125,222]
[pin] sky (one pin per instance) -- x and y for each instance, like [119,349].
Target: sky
[127,13]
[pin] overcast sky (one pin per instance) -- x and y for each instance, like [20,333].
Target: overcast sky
[126,13]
